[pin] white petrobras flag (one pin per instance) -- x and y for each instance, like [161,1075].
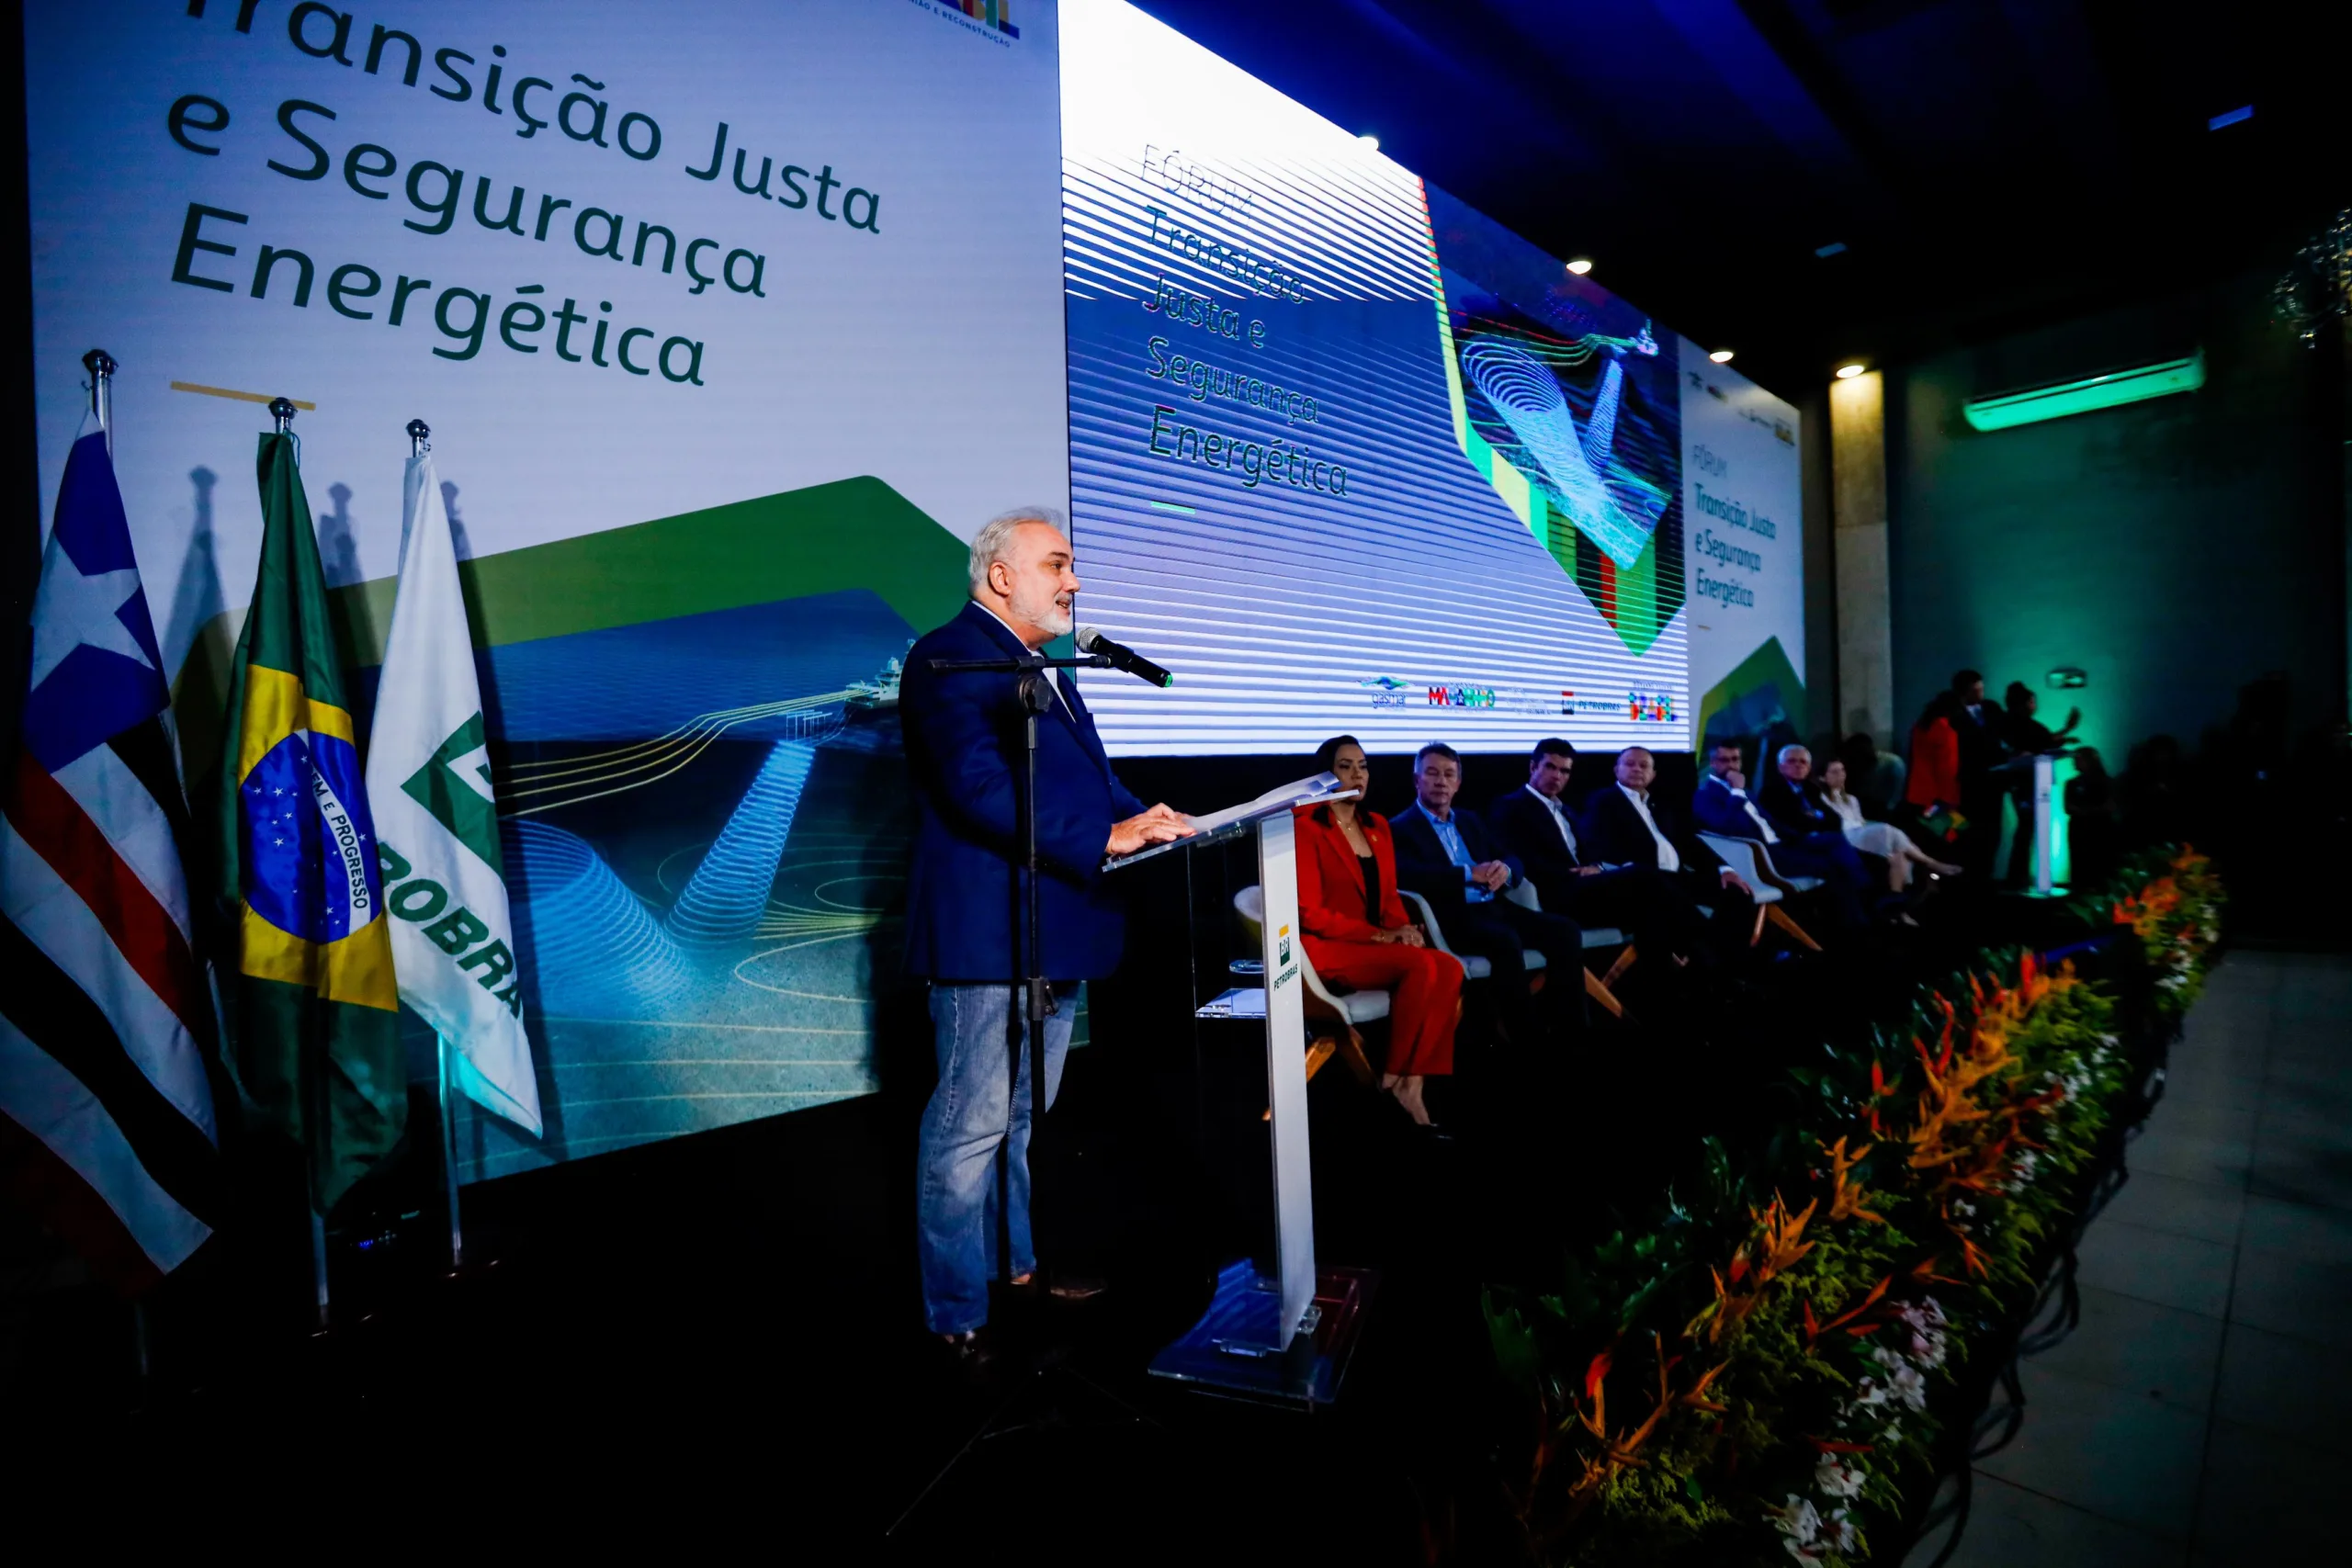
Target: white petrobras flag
[436,827]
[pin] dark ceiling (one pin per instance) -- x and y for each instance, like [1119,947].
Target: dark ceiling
[1989,164]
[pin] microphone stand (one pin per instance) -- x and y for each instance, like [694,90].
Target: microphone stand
[1033,993]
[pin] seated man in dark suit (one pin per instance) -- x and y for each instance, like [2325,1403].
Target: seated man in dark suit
[1723,807]
[1532,823]
[1628,824]
[1450,858]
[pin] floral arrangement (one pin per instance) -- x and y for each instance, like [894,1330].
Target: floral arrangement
[1755,1378]
[2171,902]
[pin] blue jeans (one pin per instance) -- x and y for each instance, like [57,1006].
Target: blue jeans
[981,1107]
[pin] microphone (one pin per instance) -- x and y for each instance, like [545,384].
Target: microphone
[1123,657]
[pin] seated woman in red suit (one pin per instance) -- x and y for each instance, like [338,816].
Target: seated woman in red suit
[1357,937]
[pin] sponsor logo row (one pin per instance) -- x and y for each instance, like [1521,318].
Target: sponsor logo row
[1639,706]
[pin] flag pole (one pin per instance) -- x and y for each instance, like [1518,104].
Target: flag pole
[449,1157]
[419,434]
[319,1259]
[281,412]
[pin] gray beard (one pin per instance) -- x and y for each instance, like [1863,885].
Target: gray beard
[1047,615]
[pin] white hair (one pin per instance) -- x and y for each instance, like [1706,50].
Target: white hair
[1793,750]
[995,537]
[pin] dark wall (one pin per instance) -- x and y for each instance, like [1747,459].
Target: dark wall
[2175,549]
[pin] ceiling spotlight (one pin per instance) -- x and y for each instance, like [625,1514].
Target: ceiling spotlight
[1581,265]
[1721,356]
[1848,372]
[1370,142]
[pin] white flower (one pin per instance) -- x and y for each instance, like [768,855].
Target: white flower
[1839,1534]
[1835,1479]
[1799,1521]
[1909,1387]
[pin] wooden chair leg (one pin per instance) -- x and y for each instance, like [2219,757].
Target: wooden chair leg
[1598,989]
[1351,1049]
[1757,934]
[1617,970]
[1319,1050]
[1781,919]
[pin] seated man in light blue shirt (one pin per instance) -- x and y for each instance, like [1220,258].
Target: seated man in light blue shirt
[1452,859]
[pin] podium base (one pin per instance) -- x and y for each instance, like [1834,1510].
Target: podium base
[1235,1350]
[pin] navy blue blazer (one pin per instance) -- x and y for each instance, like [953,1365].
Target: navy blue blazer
[1421,865]
[1720,812]
[966,913]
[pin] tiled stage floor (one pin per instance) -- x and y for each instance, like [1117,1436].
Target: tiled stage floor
[2202,1412]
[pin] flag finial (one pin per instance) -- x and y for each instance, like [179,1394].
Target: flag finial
[418,433]
[101,367]
[282,411]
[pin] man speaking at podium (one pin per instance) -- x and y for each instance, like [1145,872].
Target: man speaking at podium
[966,901]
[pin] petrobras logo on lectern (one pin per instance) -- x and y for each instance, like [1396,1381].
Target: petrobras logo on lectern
[1281,944]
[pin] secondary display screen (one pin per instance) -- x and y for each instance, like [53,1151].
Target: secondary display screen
[1345,454]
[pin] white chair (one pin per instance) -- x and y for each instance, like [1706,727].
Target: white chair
[1754,864]
[1475,967]
[1595,937]
[1351,1008]
[1597,986]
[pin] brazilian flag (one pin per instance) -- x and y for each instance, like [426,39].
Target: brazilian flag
[314,1008]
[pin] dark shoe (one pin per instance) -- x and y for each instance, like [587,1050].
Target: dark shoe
[971,1354]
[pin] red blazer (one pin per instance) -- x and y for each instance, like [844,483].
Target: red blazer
[1935,765]
[1330,884]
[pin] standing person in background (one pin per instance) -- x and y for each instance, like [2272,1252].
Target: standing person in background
[1931,792]
[2093,835]
[966,926]
[1874,777]
[1980,729]
[1358,936]
[2025,734]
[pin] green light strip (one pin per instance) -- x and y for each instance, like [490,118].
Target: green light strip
[2005,410]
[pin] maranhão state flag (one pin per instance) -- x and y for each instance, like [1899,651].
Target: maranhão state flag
[436,823]
[106,1125]
[314,1010]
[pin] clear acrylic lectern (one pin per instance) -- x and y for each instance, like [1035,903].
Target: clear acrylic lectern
[1285,1336]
